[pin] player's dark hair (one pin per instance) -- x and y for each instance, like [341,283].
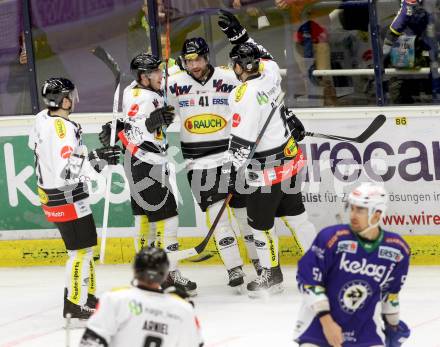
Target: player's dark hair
[151,265]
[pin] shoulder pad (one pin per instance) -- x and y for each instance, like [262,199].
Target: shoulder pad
[332,234]
[393,239]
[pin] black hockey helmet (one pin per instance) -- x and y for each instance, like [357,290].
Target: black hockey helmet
[194,47]
[247,55]
[151,265]
[55,89]
[144,63]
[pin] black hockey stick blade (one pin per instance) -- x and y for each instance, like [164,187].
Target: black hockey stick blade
[202,258]
[108,60]
[372,128]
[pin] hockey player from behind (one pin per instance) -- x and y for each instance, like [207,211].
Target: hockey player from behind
[200,96]
[272,170]
[352,275]
[152,200]
[144,315]
[63,167]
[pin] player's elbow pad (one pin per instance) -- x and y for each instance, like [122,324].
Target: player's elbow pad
[92,339]
[315,298]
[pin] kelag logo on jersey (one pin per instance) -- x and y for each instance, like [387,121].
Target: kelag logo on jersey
[362,267]
[179,90]
[205,123]
[222,87]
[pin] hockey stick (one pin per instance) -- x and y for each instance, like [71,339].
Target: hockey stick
[190,252]
[107,59]
[372,128]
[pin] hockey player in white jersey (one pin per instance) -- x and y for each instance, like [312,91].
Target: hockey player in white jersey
[62,166]
[144,316]
[275,164]
[200,96]
[146,164]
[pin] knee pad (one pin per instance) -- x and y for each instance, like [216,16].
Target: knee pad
[302,230]
[240,215]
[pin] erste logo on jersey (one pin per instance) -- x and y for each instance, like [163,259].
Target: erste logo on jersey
[390,253]
[134,109]
[179,90]
[240,91]
[60,128]
[291,149]
[236,119]
[66,151]
[205,123]
[222,87]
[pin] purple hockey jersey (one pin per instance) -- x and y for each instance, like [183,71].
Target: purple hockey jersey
[356,276]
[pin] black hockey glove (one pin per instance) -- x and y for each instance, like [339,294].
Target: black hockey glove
[104,135]
[230,25]
[160,117]
[295,126]
[103,156]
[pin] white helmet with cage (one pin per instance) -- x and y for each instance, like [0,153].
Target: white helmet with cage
[371,196]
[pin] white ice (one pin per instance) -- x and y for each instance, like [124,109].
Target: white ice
[31,307]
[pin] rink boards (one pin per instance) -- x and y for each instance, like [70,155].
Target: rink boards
[404,154]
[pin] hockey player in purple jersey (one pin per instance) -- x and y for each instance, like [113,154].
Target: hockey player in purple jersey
[351,278]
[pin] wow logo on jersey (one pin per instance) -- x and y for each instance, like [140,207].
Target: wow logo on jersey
[60,128]
[205,123]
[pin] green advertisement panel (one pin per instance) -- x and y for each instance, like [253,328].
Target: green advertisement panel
[20,206]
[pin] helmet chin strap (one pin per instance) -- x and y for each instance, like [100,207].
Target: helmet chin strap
[364,233]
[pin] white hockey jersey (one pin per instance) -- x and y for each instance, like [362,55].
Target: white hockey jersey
[277,156]
[204,115]
[138,318]
[53,140]
[137,105]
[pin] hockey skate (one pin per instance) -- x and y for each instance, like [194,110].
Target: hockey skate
[236,279]
[269,282]
[257,266]
[175,279]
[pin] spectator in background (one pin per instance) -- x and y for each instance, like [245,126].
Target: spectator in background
[404,44]
[312,43]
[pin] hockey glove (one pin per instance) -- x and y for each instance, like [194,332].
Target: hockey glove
[162,116]
[230,25]
[104,135]
[396,335]
[296,127]
[103,156]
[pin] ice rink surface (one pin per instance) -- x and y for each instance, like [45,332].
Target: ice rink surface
[32,298]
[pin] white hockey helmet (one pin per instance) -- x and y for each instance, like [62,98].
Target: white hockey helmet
[371,196]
